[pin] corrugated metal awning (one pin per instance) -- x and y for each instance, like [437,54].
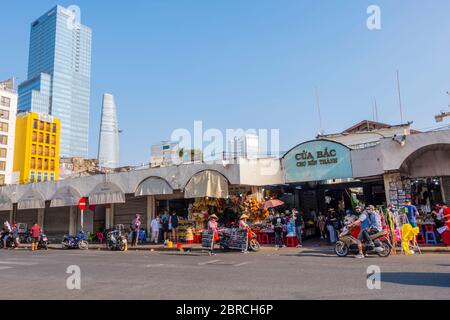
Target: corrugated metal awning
[153,187]
[31,200]
[207,184]
[65,197]
[107,193]
[5,203]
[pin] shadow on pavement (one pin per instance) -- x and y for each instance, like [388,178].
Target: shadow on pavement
[417,279]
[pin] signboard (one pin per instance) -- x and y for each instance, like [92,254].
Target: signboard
[317,161]
[82,205]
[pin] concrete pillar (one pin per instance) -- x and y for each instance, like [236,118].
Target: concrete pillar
[151,212]
[109,217]
[11,216]
[40,218]
[73,223]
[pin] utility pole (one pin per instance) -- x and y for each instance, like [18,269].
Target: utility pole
[399,97]
[319,111]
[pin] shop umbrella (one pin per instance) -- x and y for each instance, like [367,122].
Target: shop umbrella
[273,204]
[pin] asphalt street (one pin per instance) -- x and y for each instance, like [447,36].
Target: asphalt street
[269,274]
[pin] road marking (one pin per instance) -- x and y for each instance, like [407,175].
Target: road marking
[18,263]
[208,262]
[5,268]
[240,264]
[155,265]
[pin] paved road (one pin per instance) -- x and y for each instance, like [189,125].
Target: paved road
[270,274]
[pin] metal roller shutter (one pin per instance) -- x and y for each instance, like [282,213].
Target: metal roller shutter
[124,212]
[57,221]
[4,216]
[28,216]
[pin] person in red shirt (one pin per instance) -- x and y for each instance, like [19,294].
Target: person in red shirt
[35,234]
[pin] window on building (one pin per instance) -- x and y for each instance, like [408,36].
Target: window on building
[2,165]
[53,139]
[34,136]
[39,164]
[52,165]
[41,137]
[47,139]
[5,102]
[39,150]
[39,177]
[33,149]
[46,151]
[48,127]
[35,124]
[32,176]
[52,152]
[45,176]
[4,114]
[3,152]
[3,139]
[45,164]
[41,125]
[52,176]
[54,127]
[3,126]
[33,163]
[2,179]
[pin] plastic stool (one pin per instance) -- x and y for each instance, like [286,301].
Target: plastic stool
[430,236]
[291,242]
[264,238]
[420,237]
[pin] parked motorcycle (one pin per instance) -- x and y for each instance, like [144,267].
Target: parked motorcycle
[116,240]
[43,242]
[348,244]
[75,242]
[10,244]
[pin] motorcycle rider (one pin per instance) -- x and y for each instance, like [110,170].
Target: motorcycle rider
[15,235]
[7,232]
[364,223]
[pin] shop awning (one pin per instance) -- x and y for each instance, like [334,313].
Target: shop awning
[31,200]
[153,187]
[207,184]
[5,203]
[65,197]
[107,193]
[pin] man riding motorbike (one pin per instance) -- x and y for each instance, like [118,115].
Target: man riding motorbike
[365,223]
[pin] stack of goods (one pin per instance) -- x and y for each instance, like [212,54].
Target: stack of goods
[184,226]
[255,209]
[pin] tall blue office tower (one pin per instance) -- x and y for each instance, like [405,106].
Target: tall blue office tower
[59,76]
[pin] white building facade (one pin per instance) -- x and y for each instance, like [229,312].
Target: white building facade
[8,112]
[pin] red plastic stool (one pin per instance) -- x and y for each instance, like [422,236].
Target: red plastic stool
[420,238]
[189,242]
[291,242]
[265,238]
[197,238]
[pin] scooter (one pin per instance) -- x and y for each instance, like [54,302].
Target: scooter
[43,242]
[116,240]
[348,244]
[75,242]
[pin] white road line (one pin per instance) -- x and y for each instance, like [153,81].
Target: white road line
[208,262]
[240,264]
[5,268]
[18,263]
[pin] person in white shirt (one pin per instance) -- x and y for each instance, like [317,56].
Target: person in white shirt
[155,225]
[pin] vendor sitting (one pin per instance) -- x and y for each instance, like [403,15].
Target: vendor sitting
[243,225]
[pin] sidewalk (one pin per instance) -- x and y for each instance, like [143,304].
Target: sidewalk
[309,246]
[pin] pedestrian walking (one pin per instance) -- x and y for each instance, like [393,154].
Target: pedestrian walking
[173,222]
[331,223]
[322,222]
[278,225]
[213,228]
[35,234]
[165,225]
[299,224]
[135,228]
[155,225]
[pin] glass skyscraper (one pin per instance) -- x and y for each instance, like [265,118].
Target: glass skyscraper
[59,76]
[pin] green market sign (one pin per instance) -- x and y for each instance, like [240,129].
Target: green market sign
[316,161]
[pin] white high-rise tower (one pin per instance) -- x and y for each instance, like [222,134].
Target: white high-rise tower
[108,148]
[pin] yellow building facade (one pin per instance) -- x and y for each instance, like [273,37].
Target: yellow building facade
[37,148]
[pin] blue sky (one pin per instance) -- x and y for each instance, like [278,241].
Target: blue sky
[250,64]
